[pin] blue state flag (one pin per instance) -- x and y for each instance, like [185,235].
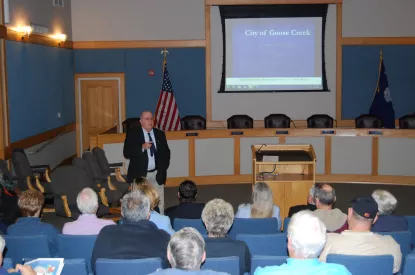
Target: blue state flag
[382,101]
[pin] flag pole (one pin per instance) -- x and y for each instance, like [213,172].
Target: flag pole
[379,70]
[164,52]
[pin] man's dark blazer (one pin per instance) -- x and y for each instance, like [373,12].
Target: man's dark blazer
[139,158]
[298,208]
[185,210]
[131,240]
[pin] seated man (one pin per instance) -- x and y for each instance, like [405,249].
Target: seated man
[188,208]
[358,240]
[218,218]
[306,239]
[309,206]
[334,219]
[30,204]
[136,237]
[87,223]
[186,253]
[387,222]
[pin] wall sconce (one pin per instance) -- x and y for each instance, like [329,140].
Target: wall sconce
[60,37]
[24,30]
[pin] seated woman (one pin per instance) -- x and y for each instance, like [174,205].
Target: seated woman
[162,222]
[218,218]
[30,204]
[262,204]
[387,222]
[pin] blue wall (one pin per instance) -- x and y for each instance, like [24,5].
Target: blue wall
[186,67]
[40,83]
[360,74]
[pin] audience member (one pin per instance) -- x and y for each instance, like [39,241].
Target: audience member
[88,222]
[309,206]
[262,204]
[334,219]
[136,237]
[30,204]
[187,208]
[186,253]
[306,239]
[161,221]
[218,218]
[358,240]
[386,221]
[2,246]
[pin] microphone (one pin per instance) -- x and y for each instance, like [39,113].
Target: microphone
[293,123]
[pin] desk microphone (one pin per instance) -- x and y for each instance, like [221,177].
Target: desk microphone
[293,123]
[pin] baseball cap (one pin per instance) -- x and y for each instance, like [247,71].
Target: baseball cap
[366,207]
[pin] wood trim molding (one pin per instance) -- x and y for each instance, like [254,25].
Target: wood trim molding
[37,39]
[39,138]
[139,44]
[345,41]
[268,2]
[375,156]
[208,68]
[3,32]
[327,155]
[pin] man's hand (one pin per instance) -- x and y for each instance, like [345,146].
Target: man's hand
[23,269]
[147,145]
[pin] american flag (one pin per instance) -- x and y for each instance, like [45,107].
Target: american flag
[167,113]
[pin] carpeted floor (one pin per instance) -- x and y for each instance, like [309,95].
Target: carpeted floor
[240,193]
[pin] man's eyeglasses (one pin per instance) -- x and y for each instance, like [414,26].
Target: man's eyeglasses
[147,118]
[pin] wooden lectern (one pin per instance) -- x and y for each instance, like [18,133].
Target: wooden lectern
[288,169]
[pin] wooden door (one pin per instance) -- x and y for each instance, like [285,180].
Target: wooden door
[99,108]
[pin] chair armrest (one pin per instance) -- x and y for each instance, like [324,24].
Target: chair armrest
[116,165]
[40,168]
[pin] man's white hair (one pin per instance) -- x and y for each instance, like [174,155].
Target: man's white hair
[186,248]
[307,234]
[2,244]
[385,200]
[87,201]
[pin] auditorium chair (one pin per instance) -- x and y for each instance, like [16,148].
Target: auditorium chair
[277,121]
[109,168]
[407,122]
[320,121]
[130,123]
[193,122]
[68,181]
[30,177]
[240,122]
[107,196]
[109,182]
[368,121]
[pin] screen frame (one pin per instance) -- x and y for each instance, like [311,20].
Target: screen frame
[274,11]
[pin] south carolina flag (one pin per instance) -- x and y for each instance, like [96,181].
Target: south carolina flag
[382,102]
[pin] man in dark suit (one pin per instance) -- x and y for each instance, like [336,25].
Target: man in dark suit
[149,154]
[135,238]
[188,208]
[309,206]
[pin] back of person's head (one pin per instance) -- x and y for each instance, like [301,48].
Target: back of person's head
[363,212]
[306,235]
[139,181]
[186,249]
[385,200]
[150,192]
[135,206]
[324,194]
[187,191]
[87,201]
[262,201]
[310,197]
[30,203]
[218,217]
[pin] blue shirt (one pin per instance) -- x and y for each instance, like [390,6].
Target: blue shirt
[162,222]
[303,267]
[31,226]
[390,223]
[176,271]
[244,211]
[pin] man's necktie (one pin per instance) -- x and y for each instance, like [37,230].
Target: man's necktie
[153,147]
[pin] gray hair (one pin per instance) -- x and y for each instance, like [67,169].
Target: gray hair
[307,234]
[87,201]
[218,217]
[135,206]
[2,244]
[385,200]
[262,201]
[324,196]
[186,248]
